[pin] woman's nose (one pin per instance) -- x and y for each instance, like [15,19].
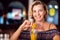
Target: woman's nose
[38,13]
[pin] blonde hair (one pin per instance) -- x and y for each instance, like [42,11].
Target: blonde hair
[36,3]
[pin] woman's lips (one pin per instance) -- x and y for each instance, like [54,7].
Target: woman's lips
[38,16]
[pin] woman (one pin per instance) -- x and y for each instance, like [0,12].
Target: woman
[45,30]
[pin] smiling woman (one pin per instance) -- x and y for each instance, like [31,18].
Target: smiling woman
[38,12]
[44,30]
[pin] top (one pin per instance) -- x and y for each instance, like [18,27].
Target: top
[44,35]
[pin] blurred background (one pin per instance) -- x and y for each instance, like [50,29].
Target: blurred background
[14,12]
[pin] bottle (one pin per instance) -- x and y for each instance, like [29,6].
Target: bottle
[33,33]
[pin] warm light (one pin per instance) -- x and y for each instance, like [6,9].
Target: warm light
[52,12]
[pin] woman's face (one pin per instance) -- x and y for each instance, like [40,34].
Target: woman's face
[38,12]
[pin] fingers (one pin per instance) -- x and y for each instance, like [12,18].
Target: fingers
[26,24]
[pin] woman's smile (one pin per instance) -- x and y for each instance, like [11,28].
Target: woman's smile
[38,12]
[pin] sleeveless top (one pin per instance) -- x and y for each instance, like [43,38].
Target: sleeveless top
[44,35]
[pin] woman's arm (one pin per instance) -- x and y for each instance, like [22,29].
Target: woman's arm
[16,34]
[25,25]
[56,37]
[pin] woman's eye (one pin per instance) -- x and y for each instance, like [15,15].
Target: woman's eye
[34,11]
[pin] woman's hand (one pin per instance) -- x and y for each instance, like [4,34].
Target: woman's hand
[26,24]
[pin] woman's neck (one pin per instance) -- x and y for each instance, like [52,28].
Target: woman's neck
[42,21]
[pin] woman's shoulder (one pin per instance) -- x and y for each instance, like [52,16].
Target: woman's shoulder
[51,25]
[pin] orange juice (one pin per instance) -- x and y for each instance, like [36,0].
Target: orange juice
[33,33]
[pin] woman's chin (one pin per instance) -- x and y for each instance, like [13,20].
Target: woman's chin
[38,20]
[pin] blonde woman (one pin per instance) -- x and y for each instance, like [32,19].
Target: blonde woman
[45,30]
